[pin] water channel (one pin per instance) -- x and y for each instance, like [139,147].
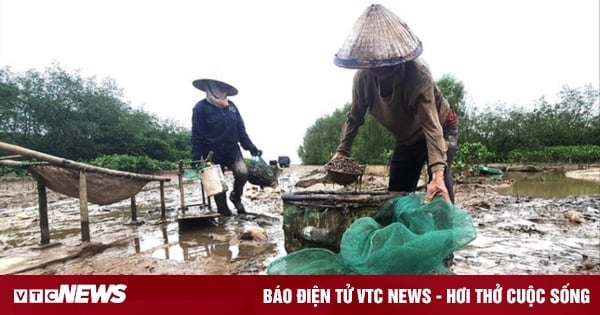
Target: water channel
[547,185]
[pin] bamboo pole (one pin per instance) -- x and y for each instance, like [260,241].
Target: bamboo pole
[334,197]
[62,162]
[43,210]
[9,157]
[83,207]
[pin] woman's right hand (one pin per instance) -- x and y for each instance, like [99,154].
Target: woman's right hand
[339,154]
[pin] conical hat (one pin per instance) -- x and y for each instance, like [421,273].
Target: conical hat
[379,38]
[215,75]
[202,84]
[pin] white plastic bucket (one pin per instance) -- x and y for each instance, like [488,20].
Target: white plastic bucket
[213,180]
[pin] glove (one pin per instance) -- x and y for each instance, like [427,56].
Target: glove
[256,152]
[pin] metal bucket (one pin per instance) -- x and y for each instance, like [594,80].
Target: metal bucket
[213,180]
[320,218]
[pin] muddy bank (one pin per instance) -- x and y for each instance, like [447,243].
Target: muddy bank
[515,235]
[591,174]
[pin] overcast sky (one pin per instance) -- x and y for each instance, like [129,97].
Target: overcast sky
[279,54]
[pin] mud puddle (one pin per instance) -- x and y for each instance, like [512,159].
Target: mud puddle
[532,236]
[218,243]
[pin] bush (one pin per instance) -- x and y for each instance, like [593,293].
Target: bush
[470,154]
[563,154]
[129,163]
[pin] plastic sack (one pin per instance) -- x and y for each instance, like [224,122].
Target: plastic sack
[213,180]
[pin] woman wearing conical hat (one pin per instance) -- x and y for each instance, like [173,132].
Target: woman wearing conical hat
[217,126]
[396,87]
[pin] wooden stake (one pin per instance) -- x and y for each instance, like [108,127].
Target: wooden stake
[83,207]
[133,210]
[43,210]
[181,191]
[163,207]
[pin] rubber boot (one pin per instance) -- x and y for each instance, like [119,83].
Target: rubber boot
[237,202]
[222,207]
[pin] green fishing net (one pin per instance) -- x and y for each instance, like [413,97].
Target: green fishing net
[260,173]
[404,237]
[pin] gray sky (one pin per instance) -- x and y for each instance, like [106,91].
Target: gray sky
[279,54]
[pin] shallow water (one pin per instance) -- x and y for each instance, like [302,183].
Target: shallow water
[548,185]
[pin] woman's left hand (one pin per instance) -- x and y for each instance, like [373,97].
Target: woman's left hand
[436,187]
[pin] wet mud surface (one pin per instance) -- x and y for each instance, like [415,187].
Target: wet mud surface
[516,235]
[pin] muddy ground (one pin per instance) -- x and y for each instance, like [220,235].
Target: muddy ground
[516,235]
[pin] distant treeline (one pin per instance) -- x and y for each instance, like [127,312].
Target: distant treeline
[83,119]
[86,119]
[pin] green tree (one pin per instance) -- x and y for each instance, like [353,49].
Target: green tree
[372,142]
[321,139]
[454,91]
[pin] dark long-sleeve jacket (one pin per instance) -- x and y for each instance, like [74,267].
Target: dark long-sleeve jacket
[415,111]
[220,130]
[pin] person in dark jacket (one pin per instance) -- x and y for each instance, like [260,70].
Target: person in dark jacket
[217,126]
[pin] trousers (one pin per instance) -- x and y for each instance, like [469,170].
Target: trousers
[407,162]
